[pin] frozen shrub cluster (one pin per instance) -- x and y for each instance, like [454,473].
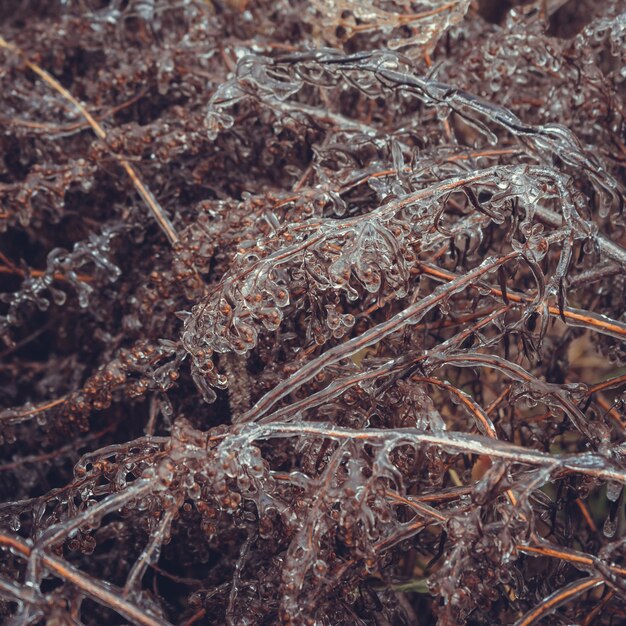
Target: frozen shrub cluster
[312,312]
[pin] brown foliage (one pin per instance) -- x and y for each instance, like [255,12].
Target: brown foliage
[312,312]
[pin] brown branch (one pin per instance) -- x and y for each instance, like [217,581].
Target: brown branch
[585,511]
[108,595]
[12,416]
[594,613]
[575,558]
[611,411]
[498,401]
[76,126]
[574,316]
[558,598]
[421,509]
[455,442]
[606,384]
[39,273]
[481,418]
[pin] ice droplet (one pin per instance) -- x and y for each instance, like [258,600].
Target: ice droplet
[610,527]
[613,491]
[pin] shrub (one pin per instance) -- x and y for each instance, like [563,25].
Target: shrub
[312,312]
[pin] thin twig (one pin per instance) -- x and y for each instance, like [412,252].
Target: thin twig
[571,556]
[576,317]
[558,598]
[108,595]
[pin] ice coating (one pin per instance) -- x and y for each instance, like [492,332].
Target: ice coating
[312,312]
